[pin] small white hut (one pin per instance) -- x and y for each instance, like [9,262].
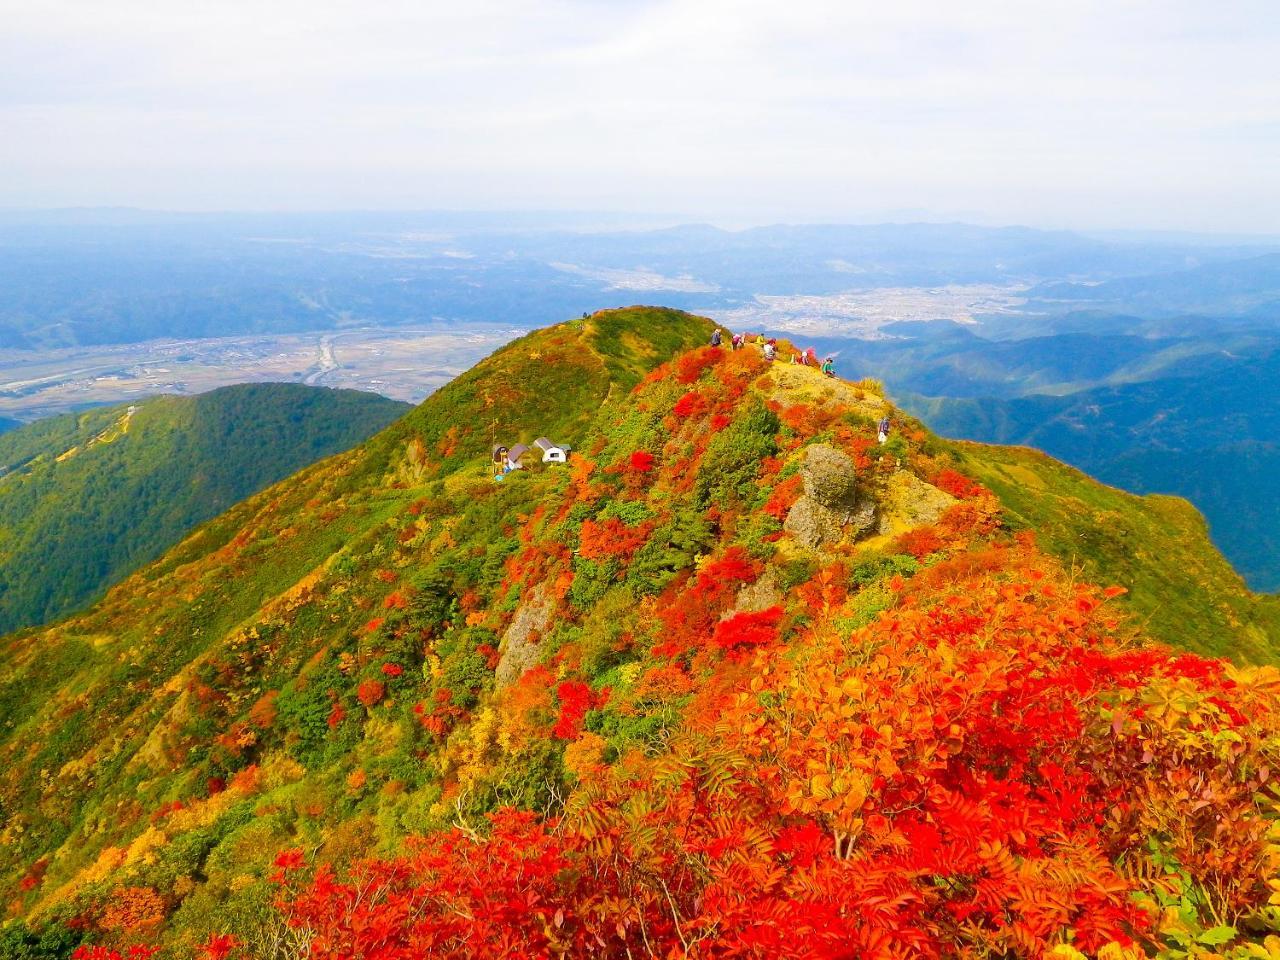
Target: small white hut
[552,453]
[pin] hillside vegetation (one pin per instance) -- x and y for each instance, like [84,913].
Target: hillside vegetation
[737,681]
[85,499]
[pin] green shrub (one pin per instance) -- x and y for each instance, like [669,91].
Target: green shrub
[732,461]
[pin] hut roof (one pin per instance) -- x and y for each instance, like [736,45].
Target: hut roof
[516,452]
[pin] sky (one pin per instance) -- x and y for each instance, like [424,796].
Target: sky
[1139,114]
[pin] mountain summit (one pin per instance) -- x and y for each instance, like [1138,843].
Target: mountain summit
[739,679]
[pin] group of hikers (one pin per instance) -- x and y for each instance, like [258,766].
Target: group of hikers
[769,349]
[805,358]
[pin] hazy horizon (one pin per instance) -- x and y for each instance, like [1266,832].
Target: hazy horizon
[625,221]
[1096,116]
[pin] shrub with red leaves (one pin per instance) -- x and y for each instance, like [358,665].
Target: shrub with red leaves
[691,405]
[576,698]
[641,461]
[371,692]
[957,484]
[747,629]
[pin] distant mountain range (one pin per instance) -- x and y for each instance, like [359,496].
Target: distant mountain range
[85,499]
[1212,438]
[101,277]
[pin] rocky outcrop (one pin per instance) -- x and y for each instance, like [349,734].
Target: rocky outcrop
[910,502]
[761,595]
[830,510]
[522,642]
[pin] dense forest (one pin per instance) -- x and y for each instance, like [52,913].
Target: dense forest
[85,499]
[739,680]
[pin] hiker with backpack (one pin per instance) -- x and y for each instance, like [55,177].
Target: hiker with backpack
[716,338]
[829,367]
[884,428]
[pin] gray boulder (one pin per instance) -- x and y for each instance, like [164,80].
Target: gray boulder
[830,510]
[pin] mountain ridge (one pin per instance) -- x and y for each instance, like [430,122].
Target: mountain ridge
[541,675]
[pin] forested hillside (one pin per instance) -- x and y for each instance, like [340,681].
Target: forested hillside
[85,499]
[736,681]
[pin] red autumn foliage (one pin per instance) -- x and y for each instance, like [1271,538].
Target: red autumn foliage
[783,497]
[611,538]
[958,778]
[219,947]
[438,720]
[641,461]
[957,484]
[371,692]
[920,542]
[34,875]
[392,670]
[747,629]
[689,612]
[576,698]
[692,405]
[692,365]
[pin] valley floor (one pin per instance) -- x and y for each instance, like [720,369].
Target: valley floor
[403,363]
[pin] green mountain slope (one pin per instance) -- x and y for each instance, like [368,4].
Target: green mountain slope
[390,642]
[1181,588]
[1210,438]
[87,498]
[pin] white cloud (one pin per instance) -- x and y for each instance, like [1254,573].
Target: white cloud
[1137,113]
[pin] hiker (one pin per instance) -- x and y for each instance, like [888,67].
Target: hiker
[884,429]
[770,351]
[715,337]
[736,342]
[760,341]
[829,367]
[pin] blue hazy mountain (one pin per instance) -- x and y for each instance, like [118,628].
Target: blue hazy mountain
[100,277]
[1212,437]
[1247,288]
